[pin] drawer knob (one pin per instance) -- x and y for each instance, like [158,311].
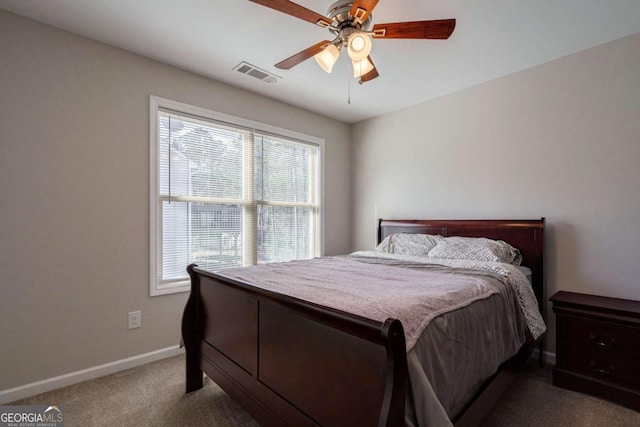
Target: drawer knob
[602,342]
[602,371]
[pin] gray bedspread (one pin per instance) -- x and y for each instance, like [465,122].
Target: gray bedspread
[450,351]
[459,350]
[457,353]
[374,288]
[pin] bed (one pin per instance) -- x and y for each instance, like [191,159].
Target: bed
[289,361]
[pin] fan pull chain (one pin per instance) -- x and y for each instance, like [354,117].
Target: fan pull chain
[348,83]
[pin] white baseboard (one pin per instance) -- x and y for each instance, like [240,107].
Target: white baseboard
[49,384]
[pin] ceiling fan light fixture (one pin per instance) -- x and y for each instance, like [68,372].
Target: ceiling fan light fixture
[360,68]
[358,46]
[328,57]
[350,22]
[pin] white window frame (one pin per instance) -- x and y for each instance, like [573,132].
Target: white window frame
[157,103]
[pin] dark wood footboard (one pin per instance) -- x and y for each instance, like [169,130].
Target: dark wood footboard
[290,362]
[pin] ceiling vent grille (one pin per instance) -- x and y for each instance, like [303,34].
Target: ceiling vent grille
[258,73]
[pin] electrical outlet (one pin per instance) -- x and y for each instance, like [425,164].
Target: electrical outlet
[135,319]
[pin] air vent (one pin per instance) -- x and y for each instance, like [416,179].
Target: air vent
[258,73]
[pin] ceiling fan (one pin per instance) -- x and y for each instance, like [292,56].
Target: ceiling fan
[349,21]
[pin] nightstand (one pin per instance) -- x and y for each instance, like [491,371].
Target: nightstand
[598,346]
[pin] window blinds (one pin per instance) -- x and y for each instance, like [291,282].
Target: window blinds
[230,196]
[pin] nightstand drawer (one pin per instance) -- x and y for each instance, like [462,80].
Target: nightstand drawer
[598,363]
[603,335]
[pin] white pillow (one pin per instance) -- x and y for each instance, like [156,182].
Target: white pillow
[476,249]
[409,244]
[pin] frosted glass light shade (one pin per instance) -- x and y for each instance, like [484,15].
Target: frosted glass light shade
[360,68]
[327,58]
[358,46]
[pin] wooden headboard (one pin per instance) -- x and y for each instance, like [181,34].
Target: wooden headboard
[526,235]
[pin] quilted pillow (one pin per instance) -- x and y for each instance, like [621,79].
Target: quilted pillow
[476,249]
[409,244]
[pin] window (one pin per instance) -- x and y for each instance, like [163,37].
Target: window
[227,192]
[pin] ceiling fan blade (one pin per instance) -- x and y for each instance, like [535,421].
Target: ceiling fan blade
[299,57]
[371,74]
[361,9]
[293,9]
[438,29]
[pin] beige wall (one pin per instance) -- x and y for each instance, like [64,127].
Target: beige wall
[74,173]
[561,140]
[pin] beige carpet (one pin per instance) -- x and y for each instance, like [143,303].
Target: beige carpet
[531,401]
[149,395]
[153,395]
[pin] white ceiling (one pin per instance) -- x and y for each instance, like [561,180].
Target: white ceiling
[492,38]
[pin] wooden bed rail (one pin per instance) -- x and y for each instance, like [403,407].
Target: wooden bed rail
[245,338]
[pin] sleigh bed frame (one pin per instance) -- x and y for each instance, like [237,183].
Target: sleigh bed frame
[292,362]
